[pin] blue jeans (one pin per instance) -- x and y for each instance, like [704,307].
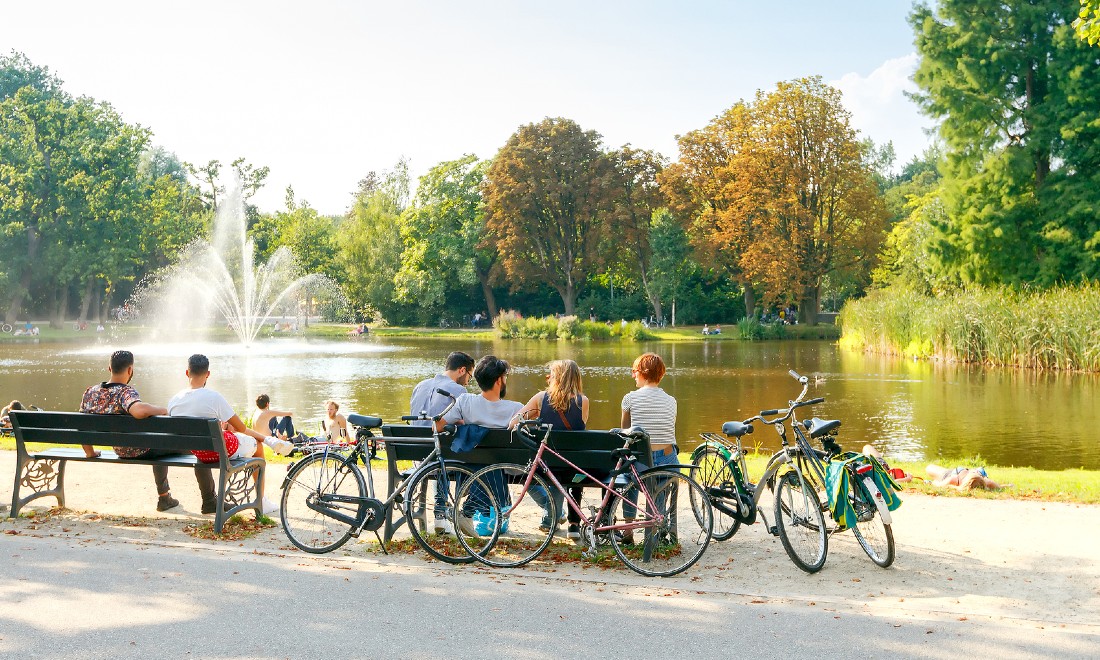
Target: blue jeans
[542,498]
[281,425]
[659,458]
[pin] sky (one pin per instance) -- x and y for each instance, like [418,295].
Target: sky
[325,92]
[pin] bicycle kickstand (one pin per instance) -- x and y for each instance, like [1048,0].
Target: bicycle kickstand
[380,543]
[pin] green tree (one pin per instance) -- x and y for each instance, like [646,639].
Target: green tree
[1019,104]
[445,240]
[549,197]
[1088,22]
[636,197]
[370,243]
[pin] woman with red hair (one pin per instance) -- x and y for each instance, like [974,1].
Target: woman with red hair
[652,409]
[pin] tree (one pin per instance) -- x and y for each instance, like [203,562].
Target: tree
[1019,104]
[548,198]
[1088,22]
[637,196]
[445,237]
[698,187]
[370,242]
[778,194]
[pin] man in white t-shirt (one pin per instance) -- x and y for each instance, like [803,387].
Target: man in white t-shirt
[199,401]
[489,409]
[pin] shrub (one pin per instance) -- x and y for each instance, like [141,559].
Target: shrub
[749,328]
[635,331]
[508,324]
[569,328]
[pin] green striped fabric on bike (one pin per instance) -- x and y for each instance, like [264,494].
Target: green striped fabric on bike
[837,486]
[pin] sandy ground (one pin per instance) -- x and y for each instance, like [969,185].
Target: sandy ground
[957,559]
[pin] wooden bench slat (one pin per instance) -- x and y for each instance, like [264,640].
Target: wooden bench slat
[186,426]
[115,439]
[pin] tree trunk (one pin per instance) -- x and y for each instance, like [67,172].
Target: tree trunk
[97,297]
[19,291]
[569,297]
[750,299]
[103,301]
[674,312]
[86,299]
[810,305]
[654,301]
[60,309]
[487,292]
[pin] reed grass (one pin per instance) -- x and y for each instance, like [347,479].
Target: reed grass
[1056,328]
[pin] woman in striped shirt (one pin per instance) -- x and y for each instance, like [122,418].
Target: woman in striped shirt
[654,410]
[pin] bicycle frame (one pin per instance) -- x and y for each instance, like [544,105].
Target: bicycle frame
[537,463]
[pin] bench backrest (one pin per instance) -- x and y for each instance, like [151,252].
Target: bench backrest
[589,450]
[65,428]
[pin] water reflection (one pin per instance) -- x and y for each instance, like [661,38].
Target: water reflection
[908,409]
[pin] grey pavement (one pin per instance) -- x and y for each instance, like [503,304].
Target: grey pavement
[109,597]
[111,577]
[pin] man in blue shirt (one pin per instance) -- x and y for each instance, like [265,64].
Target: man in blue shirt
[460,367]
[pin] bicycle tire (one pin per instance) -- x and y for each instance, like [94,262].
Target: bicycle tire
[681,526]
[713,472]
[874,536]
[524,530]
[307,482]
[421,499]
[797,511]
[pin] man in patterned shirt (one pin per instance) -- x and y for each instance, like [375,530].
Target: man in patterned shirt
[117,397]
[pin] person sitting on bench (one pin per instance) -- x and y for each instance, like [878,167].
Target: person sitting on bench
[117,397]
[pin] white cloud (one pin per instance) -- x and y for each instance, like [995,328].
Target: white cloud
[880,110]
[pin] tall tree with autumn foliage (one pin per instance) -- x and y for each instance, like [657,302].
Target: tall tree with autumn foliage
[776,192]
[548,201]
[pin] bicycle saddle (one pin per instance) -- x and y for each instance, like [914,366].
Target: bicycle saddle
[635,432]
[819,427]
[365,421]
[736,429]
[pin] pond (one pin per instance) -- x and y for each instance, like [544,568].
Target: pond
[911,410]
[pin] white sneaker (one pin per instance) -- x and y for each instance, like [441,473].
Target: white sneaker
[279,446]
[468,527]
[269,506]
[443,526]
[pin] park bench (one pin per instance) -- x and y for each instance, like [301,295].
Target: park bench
[42,471]
[588,450]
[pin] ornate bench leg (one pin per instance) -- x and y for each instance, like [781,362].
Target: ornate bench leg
[239,490]
[44,477]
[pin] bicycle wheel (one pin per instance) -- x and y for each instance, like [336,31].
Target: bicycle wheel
[718,480]
[310,483]
[523,531]
[800,523]
[679,522]
[429,511]
[874,536]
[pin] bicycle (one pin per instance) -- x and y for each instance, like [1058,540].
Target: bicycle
[795,474]
[326,499]
[500,531]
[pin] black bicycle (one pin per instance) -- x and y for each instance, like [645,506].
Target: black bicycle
[326,499]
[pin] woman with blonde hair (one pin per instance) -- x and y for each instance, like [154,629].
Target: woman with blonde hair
[562,405]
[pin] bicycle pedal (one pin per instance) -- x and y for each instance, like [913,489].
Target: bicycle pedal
[773,530]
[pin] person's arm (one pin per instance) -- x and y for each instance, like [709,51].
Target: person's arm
[584,409]
[626,419]
[238,426]
[534,405]
[281,413]
[141,410]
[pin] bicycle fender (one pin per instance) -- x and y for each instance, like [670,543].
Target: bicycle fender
[723,451]
[668,466]
[876,497]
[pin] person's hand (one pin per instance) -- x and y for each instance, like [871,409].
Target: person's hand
[92,453]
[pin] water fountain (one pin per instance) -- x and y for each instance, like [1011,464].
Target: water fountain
[218,281]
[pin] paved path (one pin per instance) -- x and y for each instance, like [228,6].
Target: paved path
[976,577]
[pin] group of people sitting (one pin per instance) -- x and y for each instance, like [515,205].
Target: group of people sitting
[562,405]
[716,330]
[115,396]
